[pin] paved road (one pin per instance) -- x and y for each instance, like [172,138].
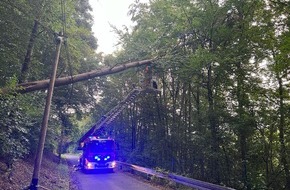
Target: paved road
[107,180]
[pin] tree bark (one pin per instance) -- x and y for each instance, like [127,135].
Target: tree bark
[281,127]
[27,59]
[215,168]
[43,84]
[242,133]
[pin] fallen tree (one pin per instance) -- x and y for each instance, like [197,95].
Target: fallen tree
[43,84]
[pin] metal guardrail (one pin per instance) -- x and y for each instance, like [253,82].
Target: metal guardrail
[197,184]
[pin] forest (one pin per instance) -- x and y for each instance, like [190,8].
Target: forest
[223,71]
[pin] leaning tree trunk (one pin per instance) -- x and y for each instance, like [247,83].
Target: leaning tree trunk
[43,84]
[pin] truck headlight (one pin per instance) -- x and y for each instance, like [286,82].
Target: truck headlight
[107,158]
[97,158]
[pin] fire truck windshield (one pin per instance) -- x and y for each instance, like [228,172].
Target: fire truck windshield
[100,146]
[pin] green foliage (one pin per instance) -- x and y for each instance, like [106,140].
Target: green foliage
[13,130]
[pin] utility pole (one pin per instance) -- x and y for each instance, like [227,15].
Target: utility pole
[39,153]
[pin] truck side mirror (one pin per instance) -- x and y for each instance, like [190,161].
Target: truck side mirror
[81,146]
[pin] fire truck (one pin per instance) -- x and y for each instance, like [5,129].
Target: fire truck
[97,154]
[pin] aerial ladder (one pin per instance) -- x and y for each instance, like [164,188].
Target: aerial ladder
[149,86]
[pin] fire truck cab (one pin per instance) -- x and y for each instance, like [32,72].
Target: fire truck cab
[98,154]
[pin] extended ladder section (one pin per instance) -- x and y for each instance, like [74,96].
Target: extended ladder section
[149,85]
[111,116]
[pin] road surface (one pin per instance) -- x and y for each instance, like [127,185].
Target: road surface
[107,180]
